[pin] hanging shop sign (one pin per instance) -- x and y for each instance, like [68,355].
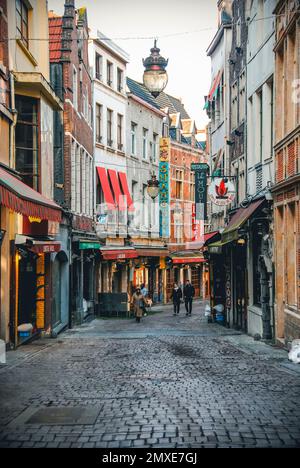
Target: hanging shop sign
[222,192]
[164,187]
[201,173]
[41,293]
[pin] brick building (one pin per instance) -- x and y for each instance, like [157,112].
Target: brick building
[287,160]
[186,262]
[74,179]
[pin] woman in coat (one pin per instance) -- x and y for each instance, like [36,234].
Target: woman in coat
[176,296]
[139,303]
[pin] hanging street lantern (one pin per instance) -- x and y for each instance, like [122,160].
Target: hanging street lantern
[155,75]
[153,187]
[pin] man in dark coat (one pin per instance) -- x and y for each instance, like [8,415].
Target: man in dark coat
[176,296]
[189,294]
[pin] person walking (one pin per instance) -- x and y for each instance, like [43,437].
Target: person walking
[176,296]
[144,292]
[189,294]
[138,302]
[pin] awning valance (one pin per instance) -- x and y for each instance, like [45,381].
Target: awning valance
[37,246]
[187,257]
[215,86]
[152,252]
[18,197]
[118,254]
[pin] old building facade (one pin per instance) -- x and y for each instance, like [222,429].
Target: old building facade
[28,214]
[144,131]
[287,165]
[74,179]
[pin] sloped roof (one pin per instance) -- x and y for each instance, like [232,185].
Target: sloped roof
[140,91]
[55,34]
[173,104]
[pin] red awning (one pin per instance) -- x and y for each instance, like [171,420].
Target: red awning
[46,247]
[124,185]
[215,86]
[118,254]
[109,199]
[183,260]
[210,235]
[119,196]
[18,197]
[36,246]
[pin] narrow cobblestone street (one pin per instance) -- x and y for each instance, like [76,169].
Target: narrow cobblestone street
[167,382]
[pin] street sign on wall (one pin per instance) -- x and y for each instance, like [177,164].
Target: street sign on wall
[164,187]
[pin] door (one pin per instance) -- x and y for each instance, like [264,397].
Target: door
[56,304]
[27,291]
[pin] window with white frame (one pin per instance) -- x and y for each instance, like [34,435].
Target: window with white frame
[120,80]
[145,207]
[238,33]
[192,186]
[99,119]
[145,143]
[120,132]
[242,98]
[234,106]
[98,66]
[109,73]
[155,147]
[109,127]
[133,138]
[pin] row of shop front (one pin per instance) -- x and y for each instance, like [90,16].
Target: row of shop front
[55,271]
[241,269]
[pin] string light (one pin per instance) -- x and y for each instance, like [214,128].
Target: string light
[136,38]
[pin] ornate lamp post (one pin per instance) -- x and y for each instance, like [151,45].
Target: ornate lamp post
[153,187]
[155,75]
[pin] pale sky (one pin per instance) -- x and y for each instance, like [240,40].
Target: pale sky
[189,67]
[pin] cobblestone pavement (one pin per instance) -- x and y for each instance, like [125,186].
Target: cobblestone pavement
[168,383]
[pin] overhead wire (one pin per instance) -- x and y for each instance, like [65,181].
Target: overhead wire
[162,36]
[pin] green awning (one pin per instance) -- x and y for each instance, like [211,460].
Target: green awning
[231,233]
[86,245]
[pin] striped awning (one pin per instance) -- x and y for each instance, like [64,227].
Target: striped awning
[18,197]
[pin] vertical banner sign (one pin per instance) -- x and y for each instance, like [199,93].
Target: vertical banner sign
[164,187]
[201,172]
[40,295]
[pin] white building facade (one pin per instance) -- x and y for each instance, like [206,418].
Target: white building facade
[260,160]
[112,198]
[218,108]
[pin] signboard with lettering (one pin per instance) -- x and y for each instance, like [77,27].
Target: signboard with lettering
[40,295]
[201,173]
[164,187]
